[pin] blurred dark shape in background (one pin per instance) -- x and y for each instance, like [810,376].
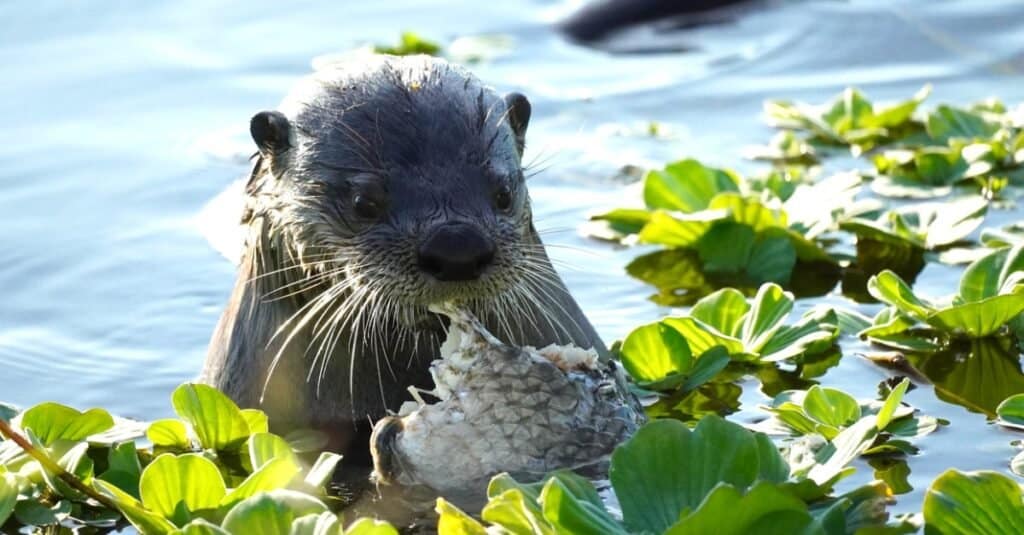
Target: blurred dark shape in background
[600,18]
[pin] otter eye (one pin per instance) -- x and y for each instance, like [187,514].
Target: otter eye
[503,198]
[366,207]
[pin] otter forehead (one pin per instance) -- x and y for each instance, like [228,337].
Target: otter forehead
[408,116]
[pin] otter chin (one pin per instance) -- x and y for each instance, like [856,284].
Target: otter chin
[379,187]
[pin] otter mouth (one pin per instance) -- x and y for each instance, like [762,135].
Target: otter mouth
[503,408]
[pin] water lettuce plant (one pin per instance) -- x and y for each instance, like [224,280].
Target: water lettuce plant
[973,503]
[831,422]
[710,213]
[217,469]
[740,485]
[720,327]
[923,226]
[915,155]
[850,119]
[990,298]
[410,43]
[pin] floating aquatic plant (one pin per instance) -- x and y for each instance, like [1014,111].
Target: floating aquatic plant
[924,226]
[741,485]
[410,43]
[831,422]
[851,119]
[990,298]
[715,227]
[745,331]
[975,503]
[216,470]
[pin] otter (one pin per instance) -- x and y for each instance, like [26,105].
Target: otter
[380,186]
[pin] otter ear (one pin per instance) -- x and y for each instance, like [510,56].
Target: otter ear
[518,117]
[270,131]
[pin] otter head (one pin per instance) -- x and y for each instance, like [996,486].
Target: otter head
[399,183]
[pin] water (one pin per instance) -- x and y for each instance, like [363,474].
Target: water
[121,123]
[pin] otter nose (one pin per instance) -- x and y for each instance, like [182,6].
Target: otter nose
[455,252]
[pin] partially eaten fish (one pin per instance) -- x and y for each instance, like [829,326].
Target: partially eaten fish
[501,408]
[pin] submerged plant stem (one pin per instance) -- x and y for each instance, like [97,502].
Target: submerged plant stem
[49,464]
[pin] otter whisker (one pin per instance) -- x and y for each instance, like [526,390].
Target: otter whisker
[307,312]
[303,285]
[541,285]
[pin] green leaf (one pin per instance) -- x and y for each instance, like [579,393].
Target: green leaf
[766,316]
[191,480]
[722,310]
[169,433]
[1011,410]
[124,469]
[986,276]
[52,421]
[144,520]
[816,327]
[666,468]
[272,475]
[888,321]
[793,416]
[682,230]
[265,447]
[8,494]
[947,122]
[516,512]
[73,458]
[910,341]
[322,524]
[889,288]
[369,526]
[322,470]
[980,318]
[939,166]
[849,112]
[706,367]
[892,402]
[256,420]
[200,526]
[952,221]
[701,337]
[410,43]
[726,247]
[571,513]
[625,220]
[765,509]
[747,211]
[831,407]
[899,113]
[844,448]
[654,351]
[217,421]
[686,185]
[452,521]
[38,513]
[973,503]
[772,258]
[271,513]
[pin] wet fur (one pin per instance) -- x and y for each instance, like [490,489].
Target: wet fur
[439,141]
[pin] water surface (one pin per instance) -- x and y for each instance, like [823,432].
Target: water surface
[122,122]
